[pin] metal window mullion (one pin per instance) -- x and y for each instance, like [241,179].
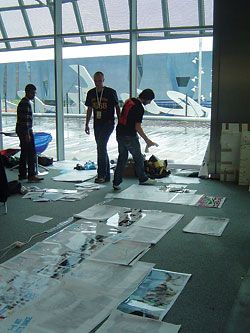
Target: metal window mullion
[51,8]
[7,9]
[58,64]
[133,49]
[105,19]
[79,21]
[165,16]
[27,23]
[4,33]
[201,14]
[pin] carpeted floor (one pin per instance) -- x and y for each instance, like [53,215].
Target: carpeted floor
[212,300]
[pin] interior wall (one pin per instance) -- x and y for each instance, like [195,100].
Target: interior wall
[231,70]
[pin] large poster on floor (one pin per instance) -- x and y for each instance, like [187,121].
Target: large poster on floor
[156,294]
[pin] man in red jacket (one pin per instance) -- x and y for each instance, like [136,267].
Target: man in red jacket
[127,131]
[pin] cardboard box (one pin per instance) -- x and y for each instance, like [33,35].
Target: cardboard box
[129,170]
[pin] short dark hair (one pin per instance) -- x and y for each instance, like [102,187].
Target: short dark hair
[30,87]
[99,73]
[147,94]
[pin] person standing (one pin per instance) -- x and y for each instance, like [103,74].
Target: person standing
[127,131]
[102,101]
[27,162]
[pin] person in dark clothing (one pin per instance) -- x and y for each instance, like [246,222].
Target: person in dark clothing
[127,131]
[102,101]
[27,162]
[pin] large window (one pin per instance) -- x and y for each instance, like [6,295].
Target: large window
[95,36]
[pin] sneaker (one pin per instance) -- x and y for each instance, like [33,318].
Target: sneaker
[24,190]
[116,187]
[148,182]
[34,179]
[100,180]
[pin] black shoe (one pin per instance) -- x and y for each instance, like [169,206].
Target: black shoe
[100,180]
[34,179]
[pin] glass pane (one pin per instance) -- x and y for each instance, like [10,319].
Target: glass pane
[20,44]
[184,33]
[68,19]
[91,15]
[173,75]
[118,14]
[209,10]
[41,21]
[73,40]
[149,14]
[77,80]
[31,2]
[4,3]
[96,38]
[16,76]
[183,13]
[14,24]
[44,42]
[120,37]
[152,34]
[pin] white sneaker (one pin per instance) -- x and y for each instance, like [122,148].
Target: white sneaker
[116,187]
[148,182]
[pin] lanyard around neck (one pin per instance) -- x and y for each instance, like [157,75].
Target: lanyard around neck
[99,100]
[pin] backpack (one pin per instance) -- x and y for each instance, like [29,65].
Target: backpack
[156,168]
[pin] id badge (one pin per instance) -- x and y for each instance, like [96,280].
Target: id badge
[98,114]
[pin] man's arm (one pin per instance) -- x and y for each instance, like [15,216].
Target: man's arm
[118,111]
[140,131]
[88,117]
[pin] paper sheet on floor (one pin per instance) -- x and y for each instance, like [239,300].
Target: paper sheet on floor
[123,252]
[18,290]
[152,193]
[156,294]
[75,176]
[179,180]
[210,201]
[27,263]
[115,279]
[72,307]
[100,212]
[84,243]
[39,219]
[90,185]
[123,322]
[159,220]
[48,195]
[207,225]
[140,234]
[92,227]
[46,248]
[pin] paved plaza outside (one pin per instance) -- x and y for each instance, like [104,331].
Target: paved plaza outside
[180,142]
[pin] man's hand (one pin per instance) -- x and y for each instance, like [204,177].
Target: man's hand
[151,143]
[87,131]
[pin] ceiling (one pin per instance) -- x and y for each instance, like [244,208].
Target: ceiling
[28,24]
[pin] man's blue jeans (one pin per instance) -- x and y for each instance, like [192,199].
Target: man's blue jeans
[128,144]
[102,133]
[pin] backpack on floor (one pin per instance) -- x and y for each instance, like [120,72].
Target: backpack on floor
[156,168]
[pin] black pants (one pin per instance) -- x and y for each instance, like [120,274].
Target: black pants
[28,155]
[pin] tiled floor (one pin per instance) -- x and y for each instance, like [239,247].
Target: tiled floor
[179,142]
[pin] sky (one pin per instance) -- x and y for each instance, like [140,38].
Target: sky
[181,45]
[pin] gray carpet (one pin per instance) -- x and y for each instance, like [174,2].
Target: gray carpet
[210,301]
